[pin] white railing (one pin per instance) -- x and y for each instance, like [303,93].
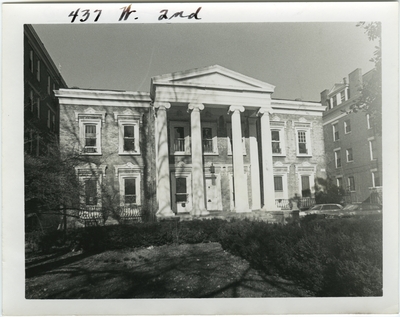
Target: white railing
[90,212]
[303,203]
[93,215]
[133,212]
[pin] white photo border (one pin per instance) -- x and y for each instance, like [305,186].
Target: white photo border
[15,15]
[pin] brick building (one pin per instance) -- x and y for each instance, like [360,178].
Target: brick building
[203,140]
[41,109]
[353,144]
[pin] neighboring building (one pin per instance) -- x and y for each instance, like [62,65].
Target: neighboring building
[353,145]
[113,131]
[207,139]
[41,110]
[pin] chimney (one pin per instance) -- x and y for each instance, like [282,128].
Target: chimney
[355,82]
[345,80]
[324,99]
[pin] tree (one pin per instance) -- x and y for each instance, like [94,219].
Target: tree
[50,184]
[327,192]
[370,100]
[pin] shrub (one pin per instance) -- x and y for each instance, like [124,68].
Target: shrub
[338,257]
[46,241]
[330,257]
[90,239]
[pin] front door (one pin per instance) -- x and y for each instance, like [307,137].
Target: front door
[181,196]
[213,192]
[181,192]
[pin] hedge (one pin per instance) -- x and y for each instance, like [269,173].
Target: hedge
[330,257]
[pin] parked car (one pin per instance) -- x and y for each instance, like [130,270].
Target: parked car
[364,208]
[336,210]
[322,209]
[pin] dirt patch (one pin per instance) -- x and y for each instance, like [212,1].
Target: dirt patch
[177,271]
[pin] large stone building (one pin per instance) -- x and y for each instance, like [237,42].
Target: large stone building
[201,141]
[353,143]
[41,110]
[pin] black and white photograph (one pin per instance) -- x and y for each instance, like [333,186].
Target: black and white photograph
[185,158]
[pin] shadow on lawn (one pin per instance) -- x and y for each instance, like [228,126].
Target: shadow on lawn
[196,273]
[47,266]
[256,286]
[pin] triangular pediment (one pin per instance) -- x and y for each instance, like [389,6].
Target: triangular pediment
[336,88]
[213,77]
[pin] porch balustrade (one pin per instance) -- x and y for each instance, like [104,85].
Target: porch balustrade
[208,146]
[179,145]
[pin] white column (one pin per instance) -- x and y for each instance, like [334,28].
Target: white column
[197,161]
[267,164]
[254,166]
[239,182]
[163,184]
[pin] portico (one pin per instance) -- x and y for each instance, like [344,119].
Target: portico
[201,118]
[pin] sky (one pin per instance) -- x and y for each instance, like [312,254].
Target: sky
[300,59]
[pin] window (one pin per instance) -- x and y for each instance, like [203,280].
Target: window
[339,182]
[278,138]
[303,136]
[347,126]
[335,128]
[53,128]
[276,143]
[349,155]
[91,192]
[129,176]
[90,134]
[90,138]
[90,176]
[48,118]
[130,191]
[302,142]
[281,171]
[368,121]
[376,180]
[207,141]
[31,100]
[209,138]
[48,85]
[181,190]
[90,122]
[38,106]
[129,138]
[334,101]
[351,183]
[372,149]
[278,183]
[180,138]
[129,132]
[31,61]
[305,186]
[342,96]
[38,70]
[338,160]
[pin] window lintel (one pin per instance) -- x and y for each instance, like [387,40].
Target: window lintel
[90,113]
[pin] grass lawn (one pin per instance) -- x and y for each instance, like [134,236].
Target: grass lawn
[170,271]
